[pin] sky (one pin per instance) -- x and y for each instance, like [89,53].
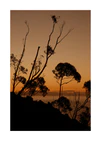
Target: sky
[74,49]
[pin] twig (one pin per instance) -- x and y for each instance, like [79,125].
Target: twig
[66,34]
[57,41]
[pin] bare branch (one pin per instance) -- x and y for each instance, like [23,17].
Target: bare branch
[58,82]
[34,63]
[68,78]
[66,35]
[17,83]
[19,62]
[34,77]
[42,69]
[47,57]
[26,34]
[49,52]
[57,41]
[51,34]
[68,81]
[79,108]
[35,74]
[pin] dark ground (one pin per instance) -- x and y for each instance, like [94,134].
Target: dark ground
[29,115]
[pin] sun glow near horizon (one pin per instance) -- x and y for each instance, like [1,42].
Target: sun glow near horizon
[74,49]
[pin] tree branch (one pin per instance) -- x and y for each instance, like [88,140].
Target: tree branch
[34,63]
[58,82]
[68,81]
[79,108]
[66,34]
[33,77]
[35,74]
[17,83]
[51,34]
[19,62]
[57,41]
[47,57]
[83,103]
[42,69]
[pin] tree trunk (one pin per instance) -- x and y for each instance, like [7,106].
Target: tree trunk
[60,91]
[60,87]
[13,86]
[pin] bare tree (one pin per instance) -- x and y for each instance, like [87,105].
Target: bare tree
[36,70]
[17,64]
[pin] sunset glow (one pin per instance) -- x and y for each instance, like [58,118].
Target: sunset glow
[74,49]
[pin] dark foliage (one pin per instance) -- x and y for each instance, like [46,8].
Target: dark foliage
[54,19]
[84,117]
[63,71]
[29,115]
[66,69]
[21,79]
[35,86]
[87,85]
[63,104]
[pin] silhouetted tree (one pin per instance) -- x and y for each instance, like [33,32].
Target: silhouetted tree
[37,68]
[17,62]
[87,86]
[84,117]
[65,71]
[18,69]
[79,106]
[36,86]
[63,104]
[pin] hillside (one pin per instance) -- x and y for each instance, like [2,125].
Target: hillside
[29,115]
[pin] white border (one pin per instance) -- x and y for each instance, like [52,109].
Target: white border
[5,7]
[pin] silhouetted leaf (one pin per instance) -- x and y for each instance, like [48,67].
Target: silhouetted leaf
[54,19]
[21,79]
[23,70]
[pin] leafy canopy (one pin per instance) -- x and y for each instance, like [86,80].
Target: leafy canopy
[87,85]
[66,69]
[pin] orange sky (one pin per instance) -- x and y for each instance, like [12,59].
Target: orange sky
[74,49]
